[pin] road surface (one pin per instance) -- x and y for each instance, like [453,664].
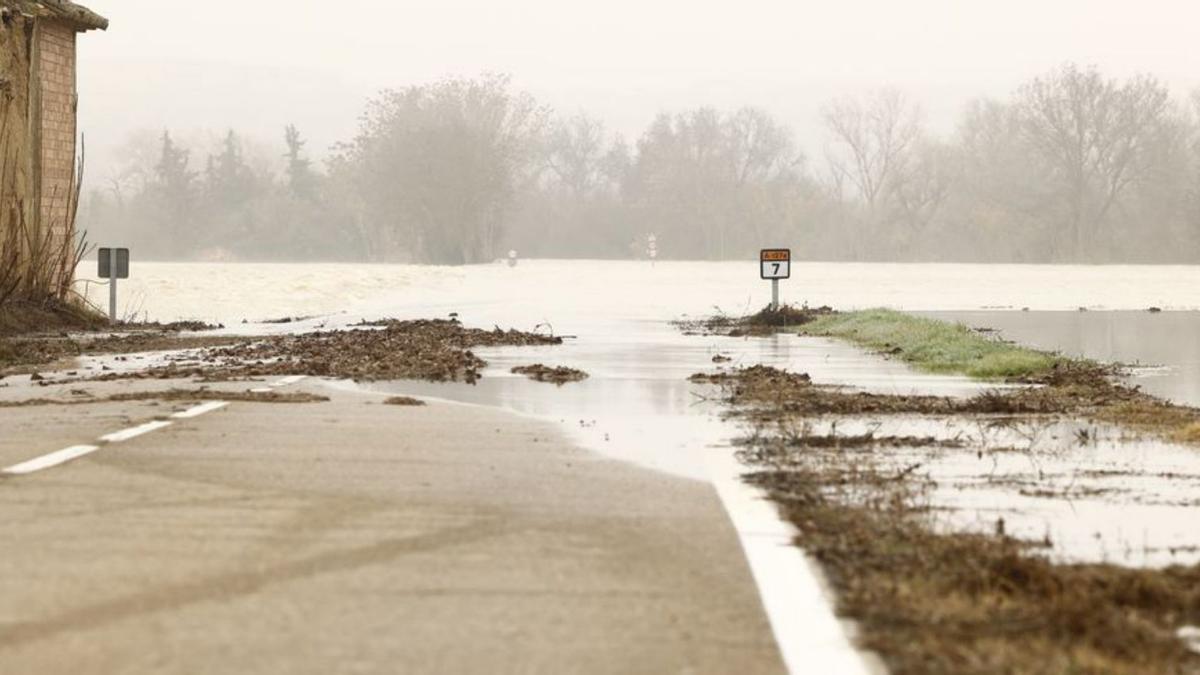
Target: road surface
[350,536]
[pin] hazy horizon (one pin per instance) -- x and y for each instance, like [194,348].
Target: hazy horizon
[259,66]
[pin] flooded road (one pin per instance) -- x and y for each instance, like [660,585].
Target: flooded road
[1114,498]
[1089,493]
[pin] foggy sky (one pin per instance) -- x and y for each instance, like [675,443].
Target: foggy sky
[259,65]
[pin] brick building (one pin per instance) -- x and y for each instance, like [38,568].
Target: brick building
[38,104]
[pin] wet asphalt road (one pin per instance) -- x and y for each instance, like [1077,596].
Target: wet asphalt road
[353,537]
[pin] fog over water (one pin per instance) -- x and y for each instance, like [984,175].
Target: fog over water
[452,133]
[260,65]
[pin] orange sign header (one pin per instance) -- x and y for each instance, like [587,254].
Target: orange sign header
[776,255]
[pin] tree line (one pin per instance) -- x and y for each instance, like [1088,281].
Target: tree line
[1073,166]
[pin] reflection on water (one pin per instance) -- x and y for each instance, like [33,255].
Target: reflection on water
[1167,339]
[637,405]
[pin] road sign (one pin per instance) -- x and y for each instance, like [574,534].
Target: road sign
[106,260]
[113,264]
[776,263]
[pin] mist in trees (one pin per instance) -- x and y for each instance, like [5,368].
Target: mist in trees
[1074,166]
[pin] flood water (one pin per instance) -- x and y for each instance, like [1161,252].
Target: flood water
[1162,347]
[1113,499]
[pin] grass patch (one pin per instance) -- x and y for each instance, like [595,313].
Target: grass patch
[935,346]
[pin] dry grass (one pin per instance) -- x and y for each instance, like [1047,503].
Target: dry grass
[37,268]
[959,603]
[928,601]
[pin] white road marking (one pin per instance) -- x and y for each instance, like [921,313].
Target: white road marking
[290,379]
[50,460]
[134,432]
[202,409]
[261,390]
[794,593]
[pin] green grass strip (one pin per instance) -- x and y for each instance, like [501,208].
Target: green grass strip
[932,345]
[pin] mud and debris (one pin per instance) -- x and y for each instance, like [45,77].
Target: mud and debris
[204,394]
[932,602]
[79,397]
[438,350]
[1075,388]
[766,321]
[26,354]
[559,375]
[404,401]
[935,594]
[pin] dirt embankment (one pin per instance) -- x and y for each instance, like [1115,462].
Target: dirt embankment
[932,601]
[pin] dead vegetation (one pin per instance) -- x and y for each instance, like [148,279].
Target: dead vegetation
[25,354]
[435,350]
[932,601]
[1077,389]
[404,401]
[559,375]
[962,603]
[438,350]
[766,321]
[201,394]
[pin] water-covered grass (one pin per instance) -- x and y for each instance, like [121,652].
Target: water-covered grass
[934,346]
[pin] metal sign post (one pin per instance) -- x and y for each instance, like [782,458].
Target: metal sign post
[775,264]
[113,264]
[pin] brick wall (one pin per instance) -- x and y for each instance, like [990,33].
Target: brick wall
[56,73]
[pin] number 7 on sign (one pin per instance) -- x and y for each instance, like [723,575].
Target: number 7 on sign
[776,263]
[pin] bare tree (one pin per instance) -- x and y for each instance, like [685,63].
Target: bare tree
[575,154]
[872,138]
[1094,134]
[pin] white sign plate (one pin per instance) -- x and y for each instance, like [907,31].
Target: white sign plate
[776,263]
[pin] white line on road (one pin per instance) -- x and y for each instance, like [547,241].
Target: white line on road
[75,452]
[260,390]
[202,409]
[810,636]
[290,379]
[52,459]
[134,432]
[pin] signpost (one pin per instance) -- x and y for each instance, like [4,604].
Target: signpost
[114,264]
[775,264]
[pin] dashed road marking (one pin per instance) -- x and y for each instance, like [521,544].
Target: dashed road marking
[202,409]
[134,432]
[282,382]
[76,451]
[50,460]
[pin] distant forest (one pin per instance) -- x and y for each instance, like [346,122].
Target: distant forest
[1073,167]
